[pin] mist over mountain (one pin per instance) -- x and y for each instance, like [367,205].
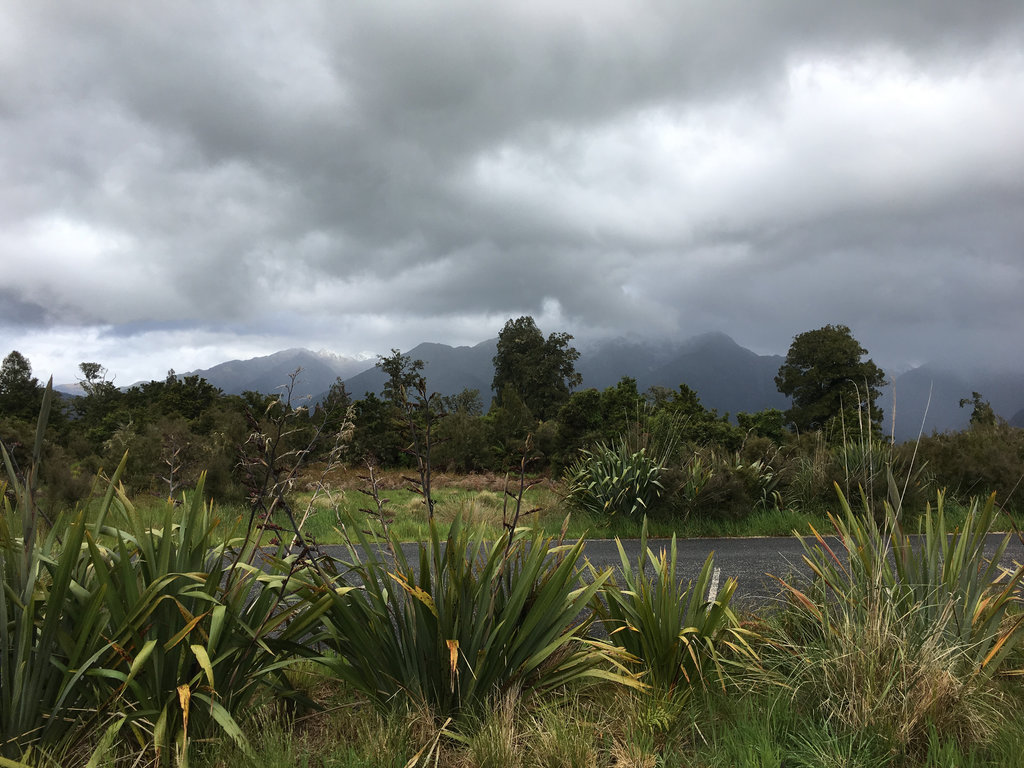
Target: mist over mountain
[725,375]
[927,399]
[270,373]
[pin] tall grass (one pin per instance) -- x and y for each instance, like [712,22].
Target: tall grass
[898,634]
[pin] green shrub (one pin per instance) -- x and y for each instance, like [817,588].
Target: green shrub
[472,620]
[674,632]
[165,634]
[613,480]
[976,462]
[717,485]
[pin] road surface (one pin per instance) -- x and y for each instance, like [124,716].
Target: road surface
[751,561]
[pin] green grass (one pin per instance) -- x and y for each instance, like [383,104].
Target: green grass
[598,727]
[484,508]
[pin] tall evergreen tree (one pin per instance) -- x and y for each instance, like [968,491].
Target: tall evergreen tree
[20,392]
[542,372]
[827,379]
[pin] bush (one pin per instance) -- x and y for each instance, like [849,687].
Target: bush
[674,632]
[719,485]
[613,480]
[463,442]
[473,620]
[896,634]
[976,462]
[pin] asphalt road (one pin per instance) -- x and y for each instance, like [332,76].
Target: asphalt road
[752,561]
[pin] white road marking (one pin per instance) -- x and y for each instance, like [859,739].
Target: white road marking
[713,589]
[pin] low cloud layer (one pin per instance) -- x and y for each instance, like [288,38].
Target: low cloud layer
[189,183]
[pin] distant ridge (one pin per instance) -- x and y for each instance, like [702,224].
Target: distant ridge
[269,373]
[448,370]
[931,396]
[725,375]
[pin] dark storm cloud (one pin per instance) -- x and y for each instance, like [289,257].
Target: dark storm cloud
[364,176]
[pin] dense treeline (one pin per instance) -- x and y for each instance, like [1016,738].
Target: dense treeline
[711,463]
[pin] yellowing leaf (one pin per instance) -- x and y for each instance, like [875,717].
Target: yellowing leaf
[453,661]
[184,698]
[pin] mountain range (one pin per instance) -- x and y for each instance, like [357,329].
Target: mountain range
[726,376]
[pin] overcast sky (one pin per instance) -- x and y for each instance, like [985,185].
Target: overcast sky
[186,183]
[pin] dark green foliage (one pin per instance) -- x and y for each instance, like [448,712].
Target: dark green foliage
[696,425]
[676,633]
[463,439]
[619,407]
[510,423]
[542,372]
[404,374]
[20,391]
[377,435]
[463,443]
[832,388]
[171,429]
[96,410]
[474,619]
[581,419]
[726,495]
[975,462]
[467,402]
[769,423]
[982,414]
[589,416]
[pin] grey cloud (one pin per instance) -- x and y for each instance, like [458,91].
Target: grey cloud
[319,166]
[18,313]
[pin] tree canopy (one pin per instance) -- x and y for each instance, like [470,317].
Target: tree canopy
[542,372]
[827,379]
[20,393]
[403,373]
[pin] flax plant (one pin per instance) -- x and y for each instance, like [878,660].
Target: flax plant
[468,620]
[198,628]
[51,618]
[609,480]
[110,626]
[676,632]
